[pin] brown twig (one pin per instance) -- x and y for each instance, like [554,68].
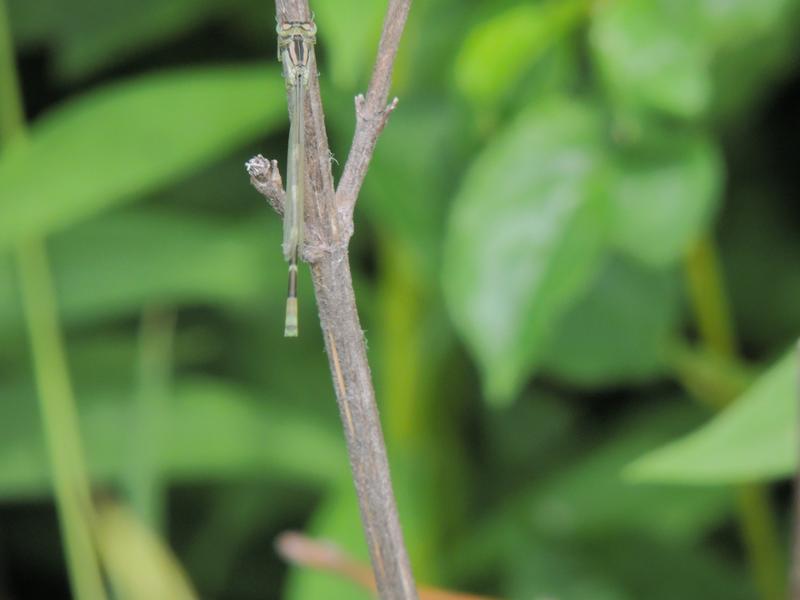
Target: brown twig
[266,178]
[372,112]
[329,224]
[303,551]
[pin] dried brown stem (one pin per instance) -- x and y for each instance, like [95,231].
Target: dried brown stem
[326,556]
[266,178]
[328,230]
[372,111]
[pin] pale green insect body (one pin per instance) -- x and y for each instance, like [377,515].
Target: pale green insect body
[295,51]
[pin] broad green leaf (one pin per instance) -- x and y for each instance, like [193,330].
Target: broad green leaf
[664,196]
[738,22]
[525,437]
[91,39]
[524,238]
[106,358]
[32,21]
[612,568]
[669,571]
[350,30]
[757,50]
[544,569]
[754,439]
[120,142]
[619,331]
[592,497]
[744,77]
[83,39]
[585,496]
[11,317]
[496,53]
[245,436]
[214,431]
[110,266]
[651,53]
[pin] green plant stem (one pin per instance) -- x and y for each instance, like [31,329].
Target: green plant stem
[143,481]
[760,532]
[59,416]
[709,301]
[414,377]
[713,316]
[712,379]
[405,401]
[60,422]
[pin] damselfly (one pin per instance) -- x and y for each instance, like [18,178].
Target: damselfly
[295,51]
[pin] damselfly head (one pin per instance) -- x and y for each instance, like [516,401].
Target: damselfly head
[306,29]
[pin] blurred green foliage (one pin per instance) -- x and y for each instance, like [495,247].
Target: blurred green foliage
[521,245]
[752,440]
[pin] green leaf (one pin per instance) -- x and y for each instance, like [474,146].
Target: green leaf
[88,40]
[110,267]
[496,54]
[611,568]
[118,143]
[32,21]
[350,30]
[214,431]
[524,239]
[246,436]
[651,53]
[756,50]
[586,496]
[664,196]
[754,439]
[619,331]
[83,40]
[591,496]
[11,317]
[544,569]
[738,22]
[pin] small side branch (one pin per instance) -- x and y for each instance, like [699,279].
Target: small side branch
[322,555]
[372,111]
[266,178]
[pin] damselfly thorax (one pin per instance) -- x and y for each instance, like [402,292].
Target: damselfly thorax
[295,44]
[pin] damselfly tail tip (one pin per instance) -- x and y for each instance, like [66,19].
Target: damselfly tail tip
[290,329]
